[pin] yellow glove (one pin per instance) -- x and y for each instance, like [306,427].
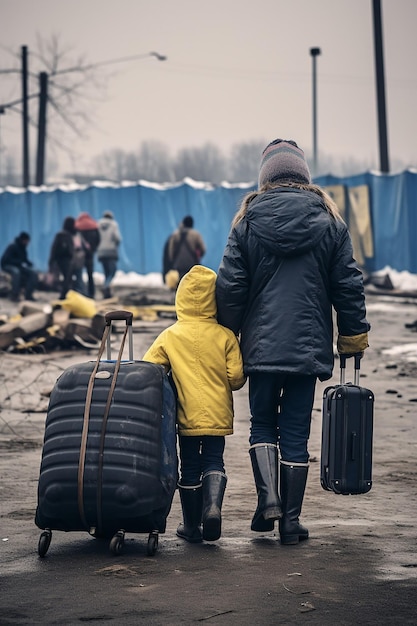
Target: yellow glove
[353,344]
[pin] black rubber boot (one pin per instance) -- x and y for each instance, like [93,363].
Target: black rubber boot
[214,485]
[264,458]
[293,484]
[192,504]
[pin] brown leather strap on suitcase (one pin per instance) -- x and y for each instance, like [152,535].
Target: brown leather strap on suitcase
[83,446]
[103,429]
[84,434]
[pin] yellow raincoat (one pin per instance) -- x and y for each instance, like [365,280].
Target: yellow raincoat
[204,357]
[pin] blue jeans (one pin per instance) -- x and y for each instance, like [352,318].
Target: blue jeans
[198,456]
[281,406]
[89,266]
[22,277]
[72,278]
[109,268]
[77,281]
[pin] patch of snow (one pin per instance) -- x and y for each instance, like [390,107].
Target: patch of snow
[386,307]
[404,281]
[131,279]
[408,350]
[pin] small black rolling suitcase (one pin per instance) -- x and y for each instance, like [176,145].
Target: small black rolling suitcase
[347,434]
[109,459]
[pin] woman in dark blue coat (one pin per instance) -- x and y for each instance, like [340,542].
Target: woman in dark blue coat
[287,264]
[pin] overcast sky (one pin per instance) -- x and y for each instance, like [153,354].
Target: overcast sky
[235,71]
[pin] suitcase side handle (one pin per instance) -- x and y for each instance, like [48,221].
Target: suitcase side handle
[353,442]
[343,358]
[111,316]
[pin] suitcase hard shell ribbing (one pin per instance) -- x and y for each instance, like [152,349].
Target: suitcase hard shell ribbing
[113,470]
[347,435]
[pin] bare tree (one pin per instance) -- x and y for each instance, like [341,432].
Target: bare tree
[154,162]
[9,174]
[73,88]
[244,161]
[113,165]
[206,164]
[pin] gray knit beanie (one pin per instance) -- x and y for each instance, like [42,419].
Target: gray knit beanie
[282,160]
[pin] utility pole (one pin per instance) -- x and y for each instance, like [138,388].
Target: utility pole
[40,156]
[25,117]
[380,87]
[314,54]
[2,112]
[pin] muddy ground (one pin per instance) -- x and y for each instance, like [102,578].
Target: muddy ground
[358,567]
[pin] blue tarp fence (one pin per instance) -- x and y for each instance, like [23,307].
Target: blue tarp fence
[384,218]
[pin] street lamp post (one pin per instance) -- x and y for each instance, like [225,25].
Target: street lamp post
[315,53]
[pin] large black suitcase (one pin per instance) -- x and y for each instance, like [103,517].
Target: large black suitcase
[109,459]
[347,435]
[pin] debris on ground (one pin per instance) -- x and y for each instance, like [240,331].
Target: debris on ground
[77,321]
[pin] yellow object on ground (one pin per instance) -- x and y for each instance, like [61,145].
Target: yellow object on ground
[172,278]
[78,305]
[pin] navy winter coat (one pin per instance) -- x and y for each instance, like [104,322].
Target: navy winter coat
[16,255]
[286,263]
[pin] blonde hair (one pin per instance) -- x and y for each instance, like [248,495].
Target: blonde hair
[329,203]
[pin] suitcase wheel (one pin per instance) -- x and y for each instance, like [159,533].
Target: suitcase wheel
[44,542]
[116,544]
[152,543]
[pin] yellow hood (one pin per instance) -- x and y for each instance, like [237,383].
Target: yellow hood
[196,297]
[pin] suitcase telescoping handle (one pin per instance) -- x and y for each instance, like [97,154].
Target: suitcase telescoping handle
[109,318]
[343,358]
[127,316]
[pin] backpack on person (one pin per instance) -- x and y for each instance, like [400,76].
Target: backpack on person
[80,248]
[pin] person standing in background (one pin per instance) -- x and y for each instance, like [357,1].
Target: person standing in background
[68,255]
[184,249]
[89,231]
[108,249]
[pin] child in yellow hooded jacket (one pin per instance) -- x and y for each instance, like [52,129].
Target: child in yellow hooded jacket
[206,365]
